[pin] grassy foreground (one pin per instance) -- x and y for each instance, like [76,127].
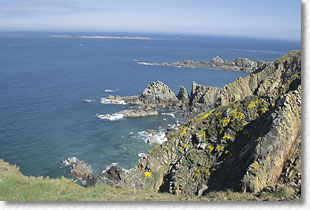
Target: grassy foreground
[14,186]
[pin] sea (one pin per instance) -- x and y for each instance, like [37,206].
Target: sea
[53,88]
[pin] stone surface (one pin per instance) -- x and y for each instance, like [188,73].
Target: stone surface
[138,112]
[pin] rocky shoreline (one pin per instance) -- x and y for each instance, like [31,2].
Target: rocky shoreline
[245,137]
[239,64]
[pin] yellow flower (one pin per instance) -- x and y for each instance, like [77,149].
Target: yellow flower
[240,115]
[225,122]
[256,115]
[202,135]
[252,105]
[219,148]
[211,148]
[185,145]
[255,165]
[227,136]
[207,115]
[264,110]
[184,132]
[147,174]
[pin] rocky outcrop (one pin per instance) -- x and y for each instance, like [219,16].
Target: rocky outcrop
[156,93]
[246,139]
[239,64]
[203,97]
[139,112]
[114,173]
[183,95]
[83,172]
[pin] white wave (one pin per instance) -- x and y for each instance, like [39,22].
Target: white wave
[151,138]
[146,63]
[168,114]
[110,91]
[110,101]
[89,100]
[141,154]
[111,117]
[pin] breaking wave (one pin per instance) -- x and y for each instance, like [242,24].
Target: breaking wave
[110,101]
[111,117]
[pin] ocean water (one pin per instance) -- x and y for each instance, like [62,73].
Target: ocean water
[45,81]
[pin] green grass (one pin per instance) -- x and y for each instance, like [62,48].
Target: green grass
[14,186]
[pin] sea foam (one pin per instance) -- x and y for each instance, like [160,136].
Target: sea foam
[157,138]
[168,114]
[110,101]
[111,117]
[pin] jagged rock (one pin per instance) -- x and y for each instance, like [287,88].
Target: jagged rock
[157,92]
[275,146]
[81,170]
[114,173]
[203,97]
[217,59]
[183,95]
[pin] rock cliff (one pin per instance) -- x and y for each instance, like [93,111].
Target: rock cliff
[247,137]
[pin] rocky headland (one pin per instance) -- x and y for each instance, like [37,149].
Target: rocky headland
[245,137]
[239,64]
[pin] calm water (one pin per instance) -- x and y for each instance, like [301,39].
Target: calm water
[44,82]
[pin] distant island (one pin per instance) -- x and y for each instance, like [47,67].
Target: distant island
[239,64]
[101,37]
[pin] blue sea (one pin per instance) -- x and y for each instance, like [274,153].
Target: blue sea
[51,87]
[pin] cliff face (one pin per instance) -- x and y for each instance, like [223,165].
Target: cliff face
[245,140]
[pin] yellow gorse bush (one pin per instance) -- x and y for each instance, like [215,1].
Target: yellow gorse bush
[219,148]
[147,174]
[202,135]
[255,165]
[225,122]
[211,148]
[184,132]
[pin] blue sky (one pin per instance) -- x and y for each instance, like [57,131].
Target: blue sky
[278,19]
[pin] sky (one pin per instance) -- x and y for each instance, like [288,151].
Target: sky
[277,19]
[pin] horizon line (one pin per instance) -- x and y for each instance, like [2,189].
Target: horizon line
[155,32]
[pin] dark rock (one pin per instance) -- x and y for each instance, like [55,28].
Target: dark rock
[114,173]
[183,95]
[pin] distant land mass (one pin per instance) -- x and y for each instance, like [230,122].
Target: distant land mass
[100,37]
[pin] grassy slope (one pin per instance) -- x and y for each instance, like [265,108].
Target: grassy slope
[14,186]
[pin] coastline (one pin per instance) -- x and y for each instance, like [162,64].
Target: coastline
[239,64]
